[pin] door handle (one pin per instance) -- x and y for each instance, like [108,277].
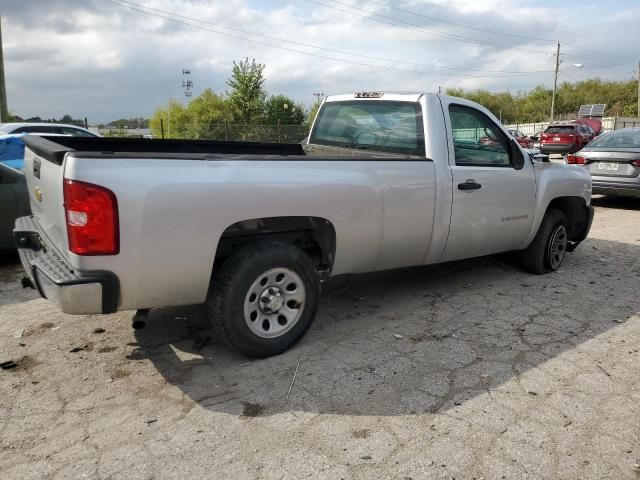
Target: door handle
[469,185]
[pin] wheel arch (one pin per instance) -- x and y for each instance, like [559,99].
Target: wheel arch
[576,212]
[314,235]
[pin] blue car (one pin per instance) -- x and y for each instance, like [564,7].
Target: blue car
[14,198]
[12,150]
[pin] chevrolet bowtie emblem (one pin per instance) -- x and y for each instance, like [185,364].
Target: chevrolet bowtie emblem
[38,193]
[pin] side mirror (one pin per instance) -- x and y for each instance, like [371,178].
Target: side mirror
[517,157]
[539,157]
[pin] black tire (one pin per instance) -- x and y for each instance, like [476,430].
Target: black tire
[548,249]
[230,288]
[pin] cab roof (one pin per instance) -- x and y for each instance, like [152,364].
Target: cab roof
[389,96]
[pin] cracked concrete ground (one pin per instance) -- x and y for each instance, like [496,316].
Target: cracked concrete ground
[467,370]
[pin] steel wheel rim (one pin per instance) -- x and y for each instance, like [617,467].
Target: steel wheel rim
[274,302]
[557,246]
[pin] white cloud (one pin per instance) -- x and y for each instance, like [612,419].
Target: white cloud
[103,61]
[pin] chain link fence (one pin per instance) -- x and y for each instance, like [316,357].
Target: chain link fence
[235,132]
[216,131]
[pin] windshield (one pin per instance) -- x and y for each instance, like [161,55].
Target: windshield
[383,126]
[617,140]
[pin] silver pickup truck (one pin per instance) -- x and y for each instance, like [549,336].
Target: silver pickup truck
[384,181]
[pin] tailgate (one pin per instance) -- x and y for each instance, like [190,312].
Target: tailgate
[44,184]
[558,138]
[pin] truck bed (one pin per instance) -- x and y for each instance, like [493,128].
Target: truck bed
[54,149]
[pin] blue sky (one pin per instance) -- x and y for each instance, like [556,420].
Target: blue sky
[101,60]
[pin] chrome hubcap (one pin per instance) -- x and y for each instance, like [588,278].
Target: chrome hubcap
[274,302]
[271,300]
[557,246]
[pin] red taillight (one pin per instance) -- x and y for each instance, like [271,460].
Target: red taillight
[92,219]
[576,159]
[635,163]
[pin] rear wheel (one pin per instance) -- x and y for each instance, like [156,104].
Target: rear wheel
[264,298]
[549,247]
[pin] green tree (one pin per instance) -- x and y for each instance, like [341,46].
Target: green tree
[247,89]
[282,110]
[535,105]
[311,115]
[204,117]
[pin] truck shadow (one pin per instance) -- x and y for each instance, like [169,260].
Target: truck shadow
[406,341]
[11,272]
[619,203]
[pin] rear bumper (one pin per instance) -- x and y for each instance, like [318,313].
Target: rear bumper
[559,148]
[74,292]
[619,189]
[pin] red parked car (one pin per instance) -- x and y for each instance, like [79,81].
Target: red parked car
[522,139]
[566,137]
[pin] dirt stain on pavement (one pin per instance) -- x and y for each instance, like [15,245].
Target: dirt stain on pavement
[43,327]
[252,409]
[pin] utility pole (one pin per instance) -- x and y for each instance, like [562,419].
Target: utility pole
[638,89]
[555,82]
[4,110]
[318,96]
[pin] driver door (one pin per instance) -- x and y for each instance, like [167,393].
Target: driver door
[492,200]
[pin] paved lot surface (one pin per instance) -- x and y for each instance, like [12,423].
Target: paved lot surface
[466,370]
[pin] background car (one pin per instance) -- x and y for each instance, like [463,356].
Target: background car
[536,139]
[613,160]
[593,124]
[522,139]
[12,148]
[566,137]
[15,203]
[46,129]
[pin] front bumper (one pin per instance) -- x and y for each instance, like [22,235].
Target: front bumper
[74,292]
[618,189]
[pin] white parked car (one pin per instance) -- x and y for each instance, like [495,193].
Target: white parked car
[45,129]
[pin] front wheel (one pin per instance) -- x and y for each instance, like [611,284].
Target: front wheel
[549,247]
[264,298]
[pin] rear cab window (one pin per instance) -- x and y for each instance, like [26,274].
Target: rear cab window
[383,126]
[561,129]
[617,140]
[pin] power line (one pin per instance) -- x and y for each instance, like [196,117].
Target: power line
[333,50]
[486,30]
[569,77]
[431,31]
[172,18]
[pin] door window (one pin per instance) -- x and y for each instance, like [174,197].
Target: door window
[76,132]
[41,129]
[478,141]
